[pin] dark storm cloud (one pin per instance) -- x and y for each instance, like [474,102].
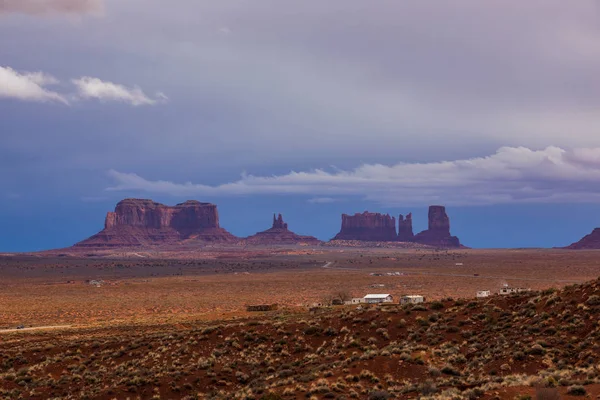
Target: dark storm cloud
[308,84]
[38,7]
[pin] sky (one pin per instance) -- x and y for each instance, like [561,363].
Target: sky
[307,108]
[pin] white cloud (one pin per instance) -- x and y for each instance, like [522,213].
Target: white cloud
[511,175]
[31,86]
[51,6]
[94,88]
[28,86]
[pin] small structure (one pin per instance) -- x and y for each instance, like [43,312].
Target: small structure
[378,298]
[262,307]
[356,300]
[412,299]
[506,290]
[483,293]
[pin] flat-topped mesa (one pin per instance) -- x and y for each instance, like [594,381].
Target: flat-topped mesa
[372,227]
[590,241]
[279,234]
[438,233]
[142,222]
[405,229]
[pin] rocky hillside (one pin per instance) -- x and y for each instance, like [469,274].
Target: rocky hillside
[500,347]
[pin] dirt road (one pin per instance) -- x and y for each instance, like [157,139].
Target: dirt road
[35,328]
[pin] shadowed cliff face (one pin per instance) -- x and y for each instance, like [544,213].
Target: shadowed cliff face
[438,233]
[591,241]
[405,229]
[141,222]
[368,226]
[375,227]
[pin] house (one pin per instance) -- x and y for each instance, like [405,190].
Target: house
[356,300]
[483,293]
[506,290]
[412,299]
[378,298]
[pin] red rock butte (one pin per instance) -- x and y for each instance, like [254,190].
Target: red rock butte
[590,242]
[370,227]
[280,234]
[375,227]
[438,232]
[140,222]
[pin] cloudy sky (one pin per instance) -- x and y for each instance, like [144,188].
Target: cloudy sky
[308,108]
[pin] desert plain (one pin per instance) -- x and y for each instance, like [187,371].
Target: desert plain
[170,325]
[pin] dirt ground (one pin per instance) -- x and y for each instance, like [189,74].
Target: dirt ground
[42,291]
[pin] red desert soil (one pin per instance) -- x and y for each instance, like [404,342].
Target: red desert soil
[177,328]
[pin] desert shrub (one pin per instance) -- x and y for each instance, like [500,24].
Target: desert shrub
[536,350]
[593,300]
[379,395]
[436,305]
[450,370]
[576,390]
[271,396]
[312,330]
[547,393]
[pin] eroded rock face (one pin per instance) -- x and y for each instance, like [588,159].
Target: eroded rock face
[591,241]
[278,223]
[280,234]
[438,232]
[371,227]
[141,222]
[405,229]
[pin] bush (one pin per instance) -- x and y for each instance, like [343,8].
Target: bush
[576,390]
[545,393]
[593,300]
[449,370]
[379,395]
[436,305]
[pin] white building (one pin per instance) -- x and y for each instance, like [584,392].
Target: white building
[378,298]
[412,299]
[483,293]
[506,290]
[356,300]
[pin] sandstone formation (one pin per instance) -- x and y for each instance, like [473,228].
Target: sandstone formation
[591,241]
[280,234]
[405,229]
[438,232]
[370,227]
[139,222]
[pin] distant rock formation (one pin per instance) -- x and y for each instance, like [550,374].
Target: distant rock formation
[590,242]
[405,229]
[140,222]
[438,232]
[370,227]
[278,223]
[280,234]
